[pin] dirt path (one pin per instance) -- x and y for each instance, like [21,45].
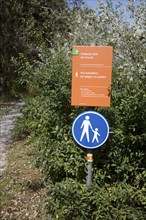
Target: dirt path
[7,124]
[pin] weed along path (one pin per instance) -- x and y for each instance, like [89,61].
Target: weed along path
[7,124]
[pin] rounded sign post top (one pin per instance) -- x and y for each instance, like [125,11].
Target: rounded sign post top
[90,129]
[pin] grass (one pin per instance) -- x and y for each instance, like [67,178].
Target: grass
[22,192]
[4,110]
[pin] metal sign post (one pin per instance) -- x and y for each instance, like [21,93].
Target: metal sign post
[89,169]
[91,86]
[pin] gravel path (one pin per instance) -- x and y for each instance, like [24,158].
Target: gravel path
[7,124]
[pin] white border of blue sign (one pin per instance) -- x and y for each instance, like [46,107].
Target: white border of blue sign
[88,112]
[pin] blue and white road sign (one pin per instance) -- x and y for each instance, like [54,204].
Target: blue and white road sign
[90,130]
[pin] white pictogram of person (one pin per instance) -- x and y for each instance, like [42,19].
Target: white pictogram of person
[96,134]
[86,125]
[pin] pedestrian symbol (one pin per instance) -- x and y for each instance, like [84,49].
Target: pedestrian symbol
[90,130]
[86,125]
[95,135]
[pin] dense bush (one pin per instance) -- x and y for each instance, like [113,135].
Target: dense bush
[72,200]
[119,169]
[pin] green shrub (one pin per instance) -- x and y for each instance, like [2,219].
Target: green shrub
[119,170]
[72,200]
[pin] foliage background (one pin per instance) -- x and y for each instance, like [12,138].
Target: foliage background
[43,70]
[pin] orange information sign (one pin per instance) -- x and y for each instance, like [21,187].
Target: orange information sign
[91,75]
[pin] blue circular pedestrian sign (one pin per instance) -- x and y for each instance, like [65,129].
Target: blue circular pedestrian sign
[90,130]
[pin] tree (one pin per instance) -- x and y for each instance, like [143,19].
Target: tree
[25,28]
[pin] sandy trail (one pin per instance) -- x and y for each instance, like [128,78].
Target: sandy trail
[7,124]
